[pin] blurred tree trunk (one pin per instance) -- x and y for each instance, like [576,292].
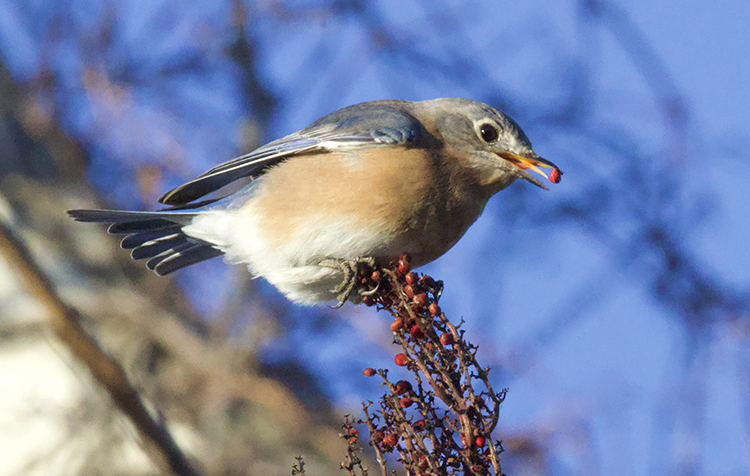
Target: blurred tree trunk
[204,389]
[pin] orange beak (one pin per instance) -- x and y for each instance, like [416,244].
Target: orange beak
[533,162]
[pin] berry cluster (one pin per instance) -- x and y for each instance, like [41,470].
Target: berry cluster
[442,421]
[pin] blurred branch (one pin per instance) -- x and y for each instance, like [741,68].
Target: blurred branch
[65,322]
[23,103]
[259,101]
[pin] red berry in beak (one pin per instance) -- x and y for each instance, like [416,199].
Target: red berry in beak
[555,176]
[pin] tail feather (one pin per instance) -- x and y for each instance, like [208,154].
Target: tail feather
[141,237]
[175,251]
[156,236]
[153,224]
[185,257]
[156,247]
[125,216]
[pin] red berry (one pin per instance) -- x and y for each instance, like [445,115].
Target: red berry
[404,264]
[397,324]
[446,339]
[376,276]
[411,278]
[480,441]
[421,299]
[406,402]
[435,309]
[416,332]
[401,359]
[391,440]
[418,425]
[409,290]
[368,372]
[352,435]
[555,176]
[376,436]
[402,386]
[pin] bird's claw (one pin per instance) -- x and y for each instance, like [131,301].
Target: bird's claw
[369,292]
[351,269]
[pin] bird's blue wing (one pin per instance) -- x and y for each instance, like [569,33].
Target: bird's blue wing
[373,124]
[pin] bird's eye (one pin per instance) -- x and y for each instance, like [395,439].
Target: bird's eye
[488,132]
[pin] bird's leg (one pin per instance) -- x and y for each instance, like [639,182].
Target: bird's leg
[351,269]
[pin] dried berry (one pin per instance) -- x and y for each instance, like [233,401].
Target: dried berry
[435,309]
[368,372]
[426,281]
[416,332]
[376,276]
[406,402]
[402,386]
[376,436]
[368,301]
[352,436]
[409,290]
[421,299]
[555,176]
[418,425]
[401,359]
[404,264]
[411,278]
[397,324]
[446,339]
[390,440]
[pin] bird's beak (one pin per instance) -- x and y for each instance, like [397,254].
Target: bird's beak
[533,162]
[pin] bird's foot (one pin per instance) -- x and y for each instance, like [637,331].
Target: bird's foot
[351,269]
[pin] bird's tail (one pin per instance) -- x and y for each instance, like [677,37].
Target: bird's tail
[156,236]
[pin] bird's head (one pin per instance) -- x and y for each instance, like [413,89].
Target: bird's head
[488,143]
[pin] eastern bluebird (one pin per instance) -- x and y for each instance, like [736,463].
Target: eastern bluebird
[363,184]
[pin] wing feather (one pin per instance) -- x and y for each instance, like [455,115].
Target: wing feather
[374,124]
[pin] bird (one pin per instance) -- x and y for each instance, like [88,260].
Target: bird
[358,187]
